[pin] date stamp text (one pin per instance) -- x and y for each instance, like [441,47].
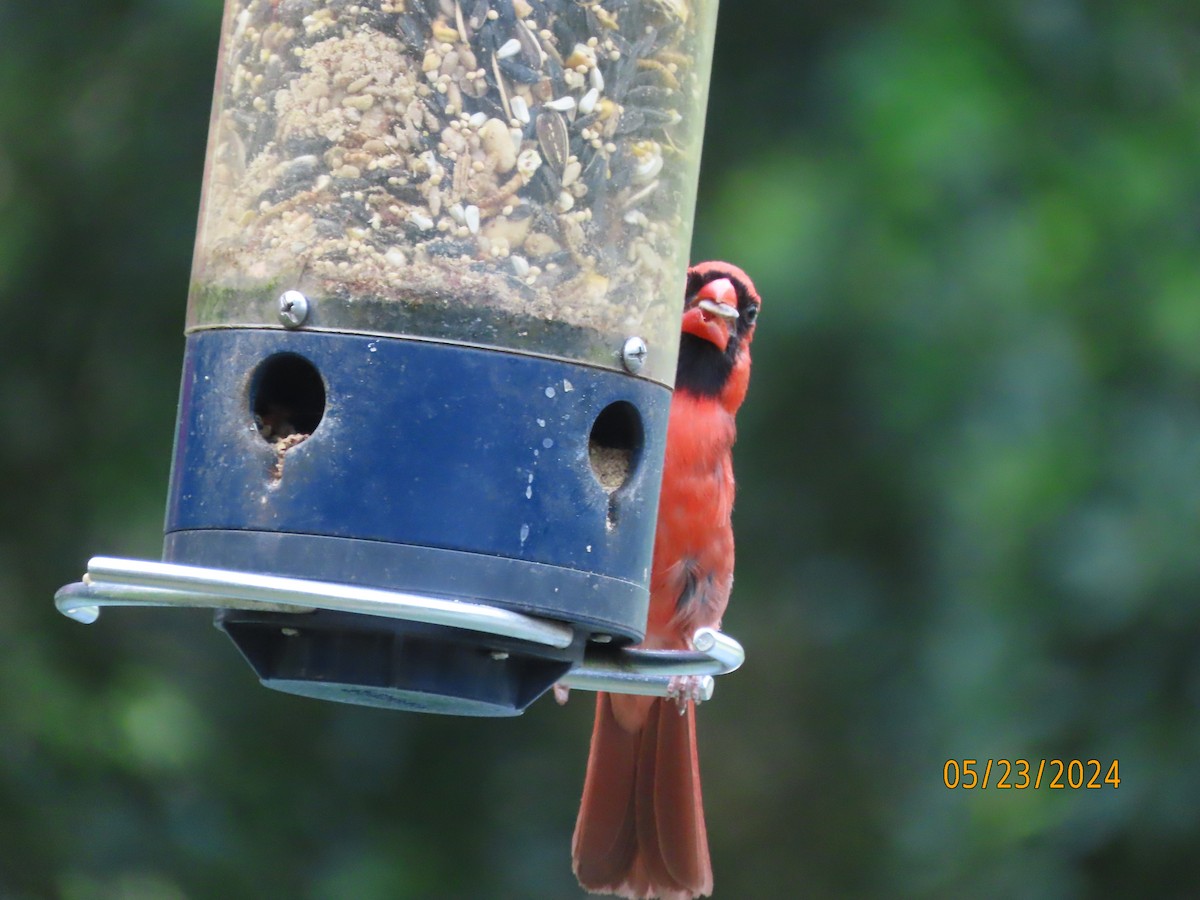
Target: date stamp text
[1022,774]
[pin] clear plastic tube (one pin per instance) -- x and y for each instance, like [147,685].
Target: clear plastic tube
[517,174]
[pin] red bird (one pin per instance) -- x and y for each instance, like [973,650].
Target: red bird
[641,831]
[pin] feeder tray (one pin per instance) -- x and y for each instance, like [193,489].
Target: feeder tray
[395,649]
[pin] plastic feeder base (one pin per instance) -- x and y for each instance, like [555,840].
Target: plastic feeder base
[375,661]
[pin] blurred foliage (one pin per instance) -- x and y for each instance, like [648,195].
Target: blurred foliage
[969,470]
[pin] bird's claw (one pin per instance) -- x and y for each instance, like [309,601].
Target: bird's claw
[561,693]
[685,688]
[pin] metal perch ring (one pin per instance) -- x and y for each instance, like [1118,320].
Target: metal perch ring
[128,582]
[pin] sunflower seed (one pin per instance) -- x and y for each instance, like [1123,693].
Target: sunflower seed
[588,101]
[471,217]
[520,109]
[511,47]
[553,137]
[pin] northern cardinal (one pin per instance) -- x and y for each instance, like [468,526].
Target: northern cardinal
[640,831]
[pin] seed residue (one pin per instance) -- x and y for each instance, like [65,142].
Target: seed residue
[281,446]
[610,465]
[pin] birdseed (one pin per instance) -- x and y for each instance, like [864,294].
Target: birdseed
[513,172]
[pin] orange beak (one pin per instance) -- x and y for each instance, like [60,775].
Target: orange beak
[714,314]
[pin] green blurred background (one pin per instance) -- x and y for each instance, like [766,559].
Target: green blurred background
[969,469]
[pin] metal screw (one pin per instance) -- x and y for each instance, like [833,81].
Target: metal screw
[633,354]
[293,309]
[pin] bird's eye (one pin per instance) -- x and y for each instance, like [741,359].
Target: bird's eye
[750,314]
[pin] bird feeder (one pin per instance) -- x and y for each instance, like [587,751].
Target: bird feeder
[431,335]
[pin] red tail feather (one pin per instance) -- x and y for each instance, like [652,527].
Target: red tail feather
[641,831]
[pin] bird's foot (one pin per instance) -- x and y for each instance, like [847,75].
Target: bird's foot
[684,689]
[561,693]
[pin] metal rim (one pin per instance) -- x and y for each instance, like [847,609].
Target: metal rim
[112,581]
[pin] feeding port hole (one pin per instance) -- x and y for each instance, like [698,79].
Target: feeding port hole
[614,444]
[287,400]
